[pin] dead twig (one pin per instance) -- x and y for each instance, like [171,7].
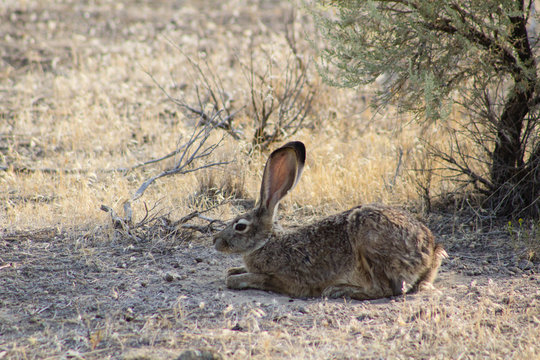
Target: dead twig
[392,182]
[190,154]
[118,222]
[280,103]
[221,114]
[8,265]
[205,229]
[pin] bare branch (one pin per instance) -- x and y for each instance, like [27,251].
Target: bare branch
[195,149]
[219,99]
[280,103]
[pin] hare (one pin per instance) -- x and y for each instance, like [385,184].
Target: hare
[367,252]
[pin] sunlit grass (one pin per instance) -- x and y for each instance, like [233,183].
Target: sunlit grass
[103,110]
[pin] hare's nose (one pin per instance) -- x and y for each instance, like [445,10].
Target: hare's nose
[220,244]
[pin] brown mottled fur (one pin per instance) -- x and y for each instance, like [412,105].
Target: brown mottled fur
[368,252]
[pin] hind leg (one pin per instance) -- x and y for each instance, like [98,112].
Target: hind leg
[426,282]
[399,286]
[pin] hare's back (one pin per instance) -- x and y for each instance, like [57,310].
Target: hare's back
[391,238]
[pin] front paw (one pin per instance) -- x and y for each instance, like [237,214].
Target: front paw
[250,281]
[236,281]
[236,271]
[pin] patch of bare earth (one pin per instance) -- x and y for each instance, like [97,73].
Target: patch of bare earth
[101,295]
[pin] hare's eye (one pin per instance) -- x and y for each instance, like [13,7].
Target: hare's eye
[240,226]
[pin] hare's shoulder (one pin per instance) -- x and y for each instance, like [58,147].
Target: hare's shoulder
[314,248]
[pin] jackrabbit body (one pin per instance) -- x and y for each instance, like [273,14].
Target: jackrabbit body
[367,252]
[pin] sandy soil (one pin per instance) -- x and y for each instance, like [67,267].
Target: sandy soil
[100,295]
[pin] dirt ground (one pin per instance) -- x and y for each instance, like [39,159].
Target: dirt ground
[75,295]
[90,292]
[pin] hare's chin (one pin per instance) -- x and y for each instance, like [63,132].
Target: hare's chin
[221,248]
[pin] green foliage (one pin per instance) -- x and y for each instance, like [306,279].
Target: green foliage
[429,57]
[424,49]
[525,236]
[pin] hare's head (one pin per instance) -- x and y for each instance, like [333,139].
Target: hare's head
[251,230]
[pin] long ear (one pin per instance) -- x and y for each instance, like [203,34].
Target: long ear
[281,173]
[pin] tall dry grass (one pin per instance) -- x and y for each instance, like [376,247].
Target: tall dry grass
[87,99]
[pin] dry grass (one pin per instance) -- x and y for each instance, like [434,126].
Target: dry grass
[77,97]
[77,103]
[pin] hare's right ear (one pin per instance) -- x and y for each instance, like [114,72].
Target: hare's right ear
[281,173]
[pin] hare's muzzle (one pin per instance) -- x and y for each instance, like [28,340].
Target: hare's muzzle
[220,244]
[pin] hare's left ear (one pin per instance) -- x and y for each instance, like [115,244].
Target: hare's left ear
[281,173]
